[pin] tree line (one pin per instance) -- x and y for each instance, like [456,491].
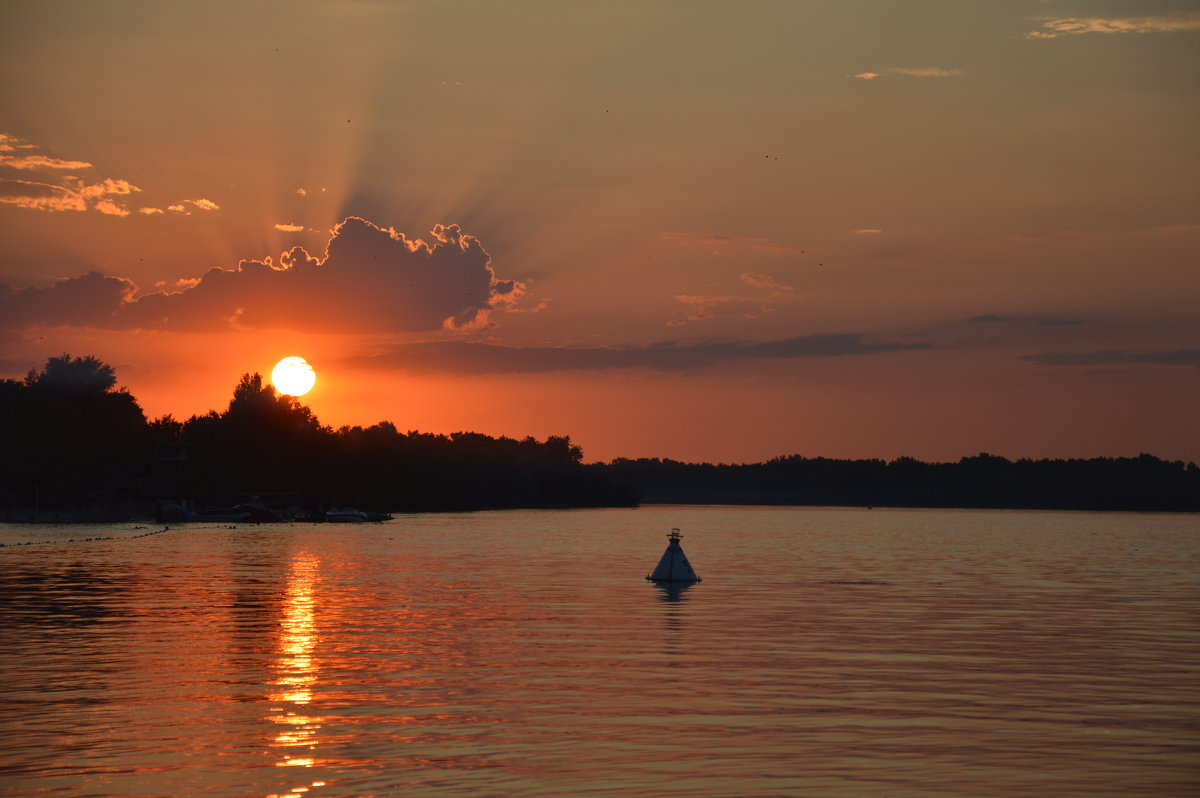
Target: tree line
[1102,483]
[70,437]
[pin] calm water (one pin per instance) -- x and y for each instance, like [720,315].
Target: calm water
[826,653]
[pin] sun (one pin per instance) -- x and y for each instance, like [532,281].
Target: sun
[293,376]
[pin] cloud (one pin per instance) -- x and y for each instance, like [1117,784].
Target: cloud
[198,204]
[1077,26]
[40,162]
[69,193]
[516,307]
[9,143]
[913,72]
[73,194]
[92,300]
[109,186]
[757,280]
[463,357]
[40,196]
[760,280]
[180,283]
[12,144]
[927,72]
[721,243]
[370,279]
[703,305]
[990,318]
[289,228]
[1112,357]
[111,208]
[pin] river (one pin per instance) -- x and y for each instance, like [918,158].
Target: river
[827,652]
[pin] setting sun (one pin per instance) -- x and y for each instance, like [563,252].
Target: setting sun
[293,376]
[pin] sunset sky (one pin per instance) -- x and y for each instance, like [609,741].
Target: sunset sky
[700,230]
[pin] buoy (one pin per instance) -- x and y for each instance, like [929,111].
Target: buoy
[674,565]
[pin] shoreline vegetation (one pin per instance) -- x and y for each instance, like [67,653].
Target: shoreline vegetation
[1140,484]
[79,449]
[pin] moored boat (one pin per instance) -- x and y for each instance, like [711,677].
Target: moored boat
[346,515]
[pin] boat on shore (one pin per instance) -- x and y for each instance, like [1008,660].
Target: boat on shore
[346,515]
[352,515]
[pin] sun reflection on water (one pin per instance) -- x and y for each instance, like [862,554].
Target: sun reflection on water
[296,667]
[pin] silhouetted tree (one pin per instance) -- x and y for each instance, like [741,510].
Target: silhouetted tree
[263,441]
[69,436]
[65,374]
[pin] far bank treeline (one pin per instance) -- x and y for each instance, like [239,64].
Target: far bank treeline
[1102,483]
[69,437]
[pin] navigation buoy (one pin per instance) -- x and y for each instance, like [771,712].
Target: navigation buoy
[674,565]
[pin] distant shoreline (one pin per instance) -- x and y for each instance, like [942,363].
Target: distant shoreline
[89,455]
[70,517]
[1125,484]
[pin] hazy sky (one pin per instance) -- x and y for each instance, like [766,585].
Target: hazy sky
[700,230]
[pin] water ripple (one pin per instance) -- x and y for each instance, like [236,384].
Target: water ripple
[827,652]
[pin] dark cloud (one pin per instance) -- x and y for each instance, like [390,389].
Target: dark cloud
[1040,322]
[461,357]
[1112,357]
[92,300]
[371,279]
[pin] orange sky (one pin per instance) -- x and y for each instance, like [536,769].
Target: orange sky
[677,229]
